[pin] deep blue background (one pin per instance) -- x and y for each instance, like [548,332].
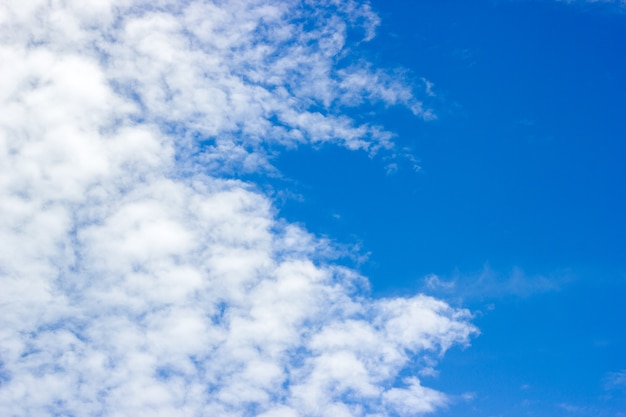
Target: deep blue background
[524,168]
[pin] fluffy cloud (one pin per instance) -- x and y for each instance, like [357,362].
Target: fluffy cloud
[136,278]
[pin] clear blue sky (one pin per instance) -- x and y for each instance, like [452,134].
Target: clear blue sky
[520,202]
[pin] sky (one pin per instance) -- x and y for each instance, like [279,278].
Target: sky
[287,208]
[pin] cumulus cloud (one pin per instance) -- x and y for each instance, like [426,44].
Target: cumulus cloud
[138,279]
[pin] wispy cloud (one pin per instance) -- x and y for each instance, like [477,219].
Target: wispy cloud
[576,409]
[614,2]
[615,380]
[138,281]
[614,5]
[488,284]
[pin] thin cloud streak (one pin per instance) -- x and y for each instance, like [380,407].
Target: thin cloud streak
[489,284]
[615,380]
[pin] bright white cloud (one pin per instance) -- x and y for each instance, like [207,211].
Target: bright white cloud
[136,280]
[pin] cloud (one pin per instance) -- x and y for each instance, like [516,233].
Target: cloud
[608,2]
[489,284]
[615,380]
[587,5]
[579,410]
[137,278]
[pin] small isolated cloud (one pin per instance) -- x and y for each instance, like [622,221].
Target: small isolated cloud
[429,87]
[490,284]
[611,5]
[615,380]
[577,409]
[469,396]
[615,2]
[137,279]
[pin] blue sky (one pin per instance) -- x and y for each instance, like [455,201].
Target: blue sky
[522,175]
[288,209]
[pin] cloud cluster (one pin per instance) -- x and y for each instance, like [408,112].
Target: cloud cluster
[136,278]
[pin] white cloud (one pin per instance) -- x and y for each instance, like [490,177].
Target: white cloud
[416,399]
[490,284]
[616,380]
[135,280]
[615,2]
[612,5]
[577,409]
